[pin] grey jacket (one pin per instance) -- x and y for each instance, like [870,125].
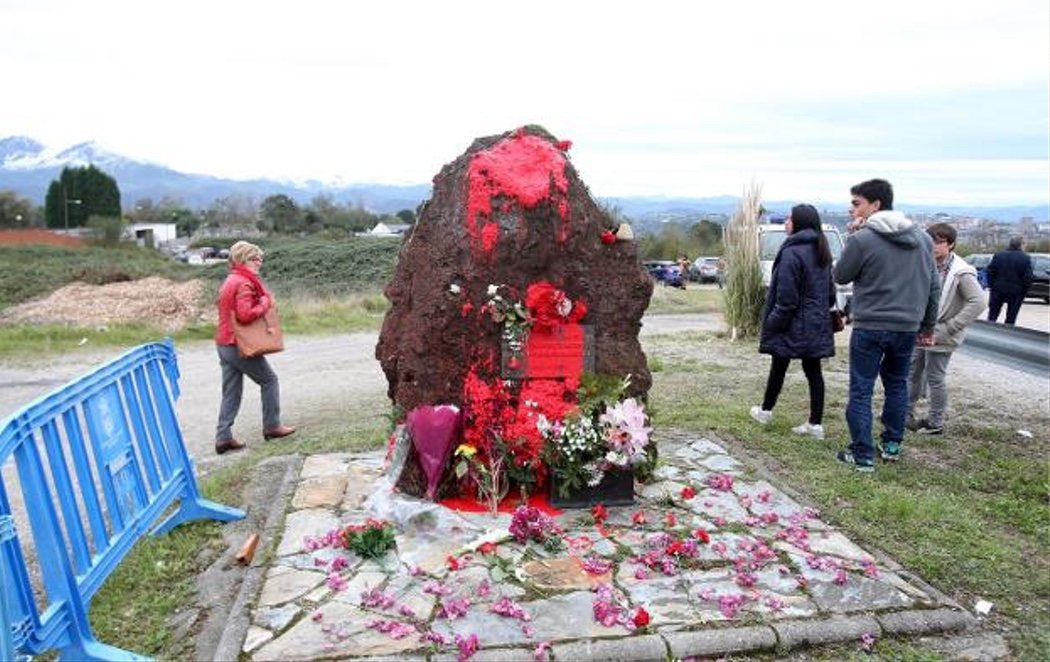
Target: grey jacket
[962,301]
[889,260]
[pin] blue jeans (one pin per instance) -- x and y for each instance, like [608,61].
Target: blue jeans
[885,354]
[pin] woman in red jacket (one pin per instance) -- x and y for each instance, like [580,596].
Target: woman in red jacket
[244,295]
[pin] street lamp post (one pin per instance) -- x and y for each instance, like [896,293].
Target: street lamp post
[74,201]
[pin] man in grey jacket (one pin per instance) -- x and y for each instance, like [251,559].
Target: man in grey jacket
[890,262]
[962,301]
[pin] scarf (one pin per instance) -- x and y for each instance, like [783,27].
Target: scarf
[252,278]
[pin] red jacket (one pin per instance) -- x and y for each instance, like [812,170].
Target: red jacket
[237,294]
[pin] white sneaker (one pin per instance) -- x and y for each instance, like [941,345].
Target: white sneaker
[815,431]
[761,415]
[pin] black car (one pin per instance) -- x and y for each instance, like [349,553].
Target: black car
[1040,287]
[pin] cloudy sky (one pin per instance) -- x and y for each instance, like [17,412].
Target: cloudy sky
[947,99]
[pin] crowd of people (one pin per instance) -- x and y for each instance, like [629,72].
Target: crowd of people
[913,299]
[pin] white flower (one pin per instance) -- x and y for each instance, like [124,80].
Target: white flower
[564,307]
[493,290]
[454,288]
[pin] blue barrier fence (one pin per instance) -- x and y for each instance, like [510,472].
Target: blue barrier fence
[91,468]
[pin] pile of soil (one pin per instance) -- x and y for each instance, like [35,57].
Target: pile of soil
[157,302]
[21,237]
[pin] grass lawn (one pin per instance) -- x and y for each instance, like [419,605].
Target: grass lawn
[967,512]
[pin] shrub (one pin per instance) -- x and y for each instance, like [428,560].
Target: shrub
[744,293]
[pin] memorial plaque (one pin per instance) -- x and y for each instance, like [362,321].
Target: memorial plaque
[566,350]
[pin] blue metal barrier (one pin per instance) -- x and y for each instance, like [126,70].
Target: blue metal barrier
[98,462]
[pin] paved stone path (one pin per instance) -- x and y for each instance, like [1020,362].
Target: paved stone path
[772,575]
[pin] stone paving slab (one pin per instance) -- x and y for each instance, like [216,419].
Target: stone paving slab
[738,567]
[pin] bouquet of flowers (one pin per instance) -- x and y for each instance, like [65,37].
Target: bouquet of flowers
[369,540]
[581,448]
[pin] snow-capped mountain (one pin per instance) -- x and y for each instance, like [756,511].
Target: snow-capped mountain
[28,168]
[21,153]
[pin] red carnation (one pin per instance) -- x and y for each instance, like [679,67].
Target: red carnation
[641,618]
[487,548]
[608,237]
[599,513]
[688,492]
[702,536]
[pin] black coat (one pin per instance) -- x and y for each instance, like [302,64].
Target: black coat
[1010,272]
[796,323]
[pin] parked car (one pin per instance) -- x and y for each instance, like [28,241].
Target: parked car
[665,272]
[1040,287]
[707,269]
[772,235]
[980,262]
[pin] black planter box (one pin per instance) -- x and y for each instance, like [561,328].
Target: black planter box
[616,489]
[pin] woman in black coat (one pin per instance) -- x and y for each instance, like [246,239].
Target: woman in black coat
[796,323]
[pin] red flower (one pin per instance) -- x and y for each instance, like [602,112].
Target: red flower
[487,548]
[467,308]
[670,520]
[513,363]
[675,548]
[688,492]
[641,618]
[638,518]
[702,536]
[599,513]
[608,237]
[453,563]
[578,312]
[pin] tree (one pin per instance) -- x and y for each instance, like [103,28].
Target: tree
[78,194]
[16,211]
[407,216]
[279,213]
[236,213]
[708,238]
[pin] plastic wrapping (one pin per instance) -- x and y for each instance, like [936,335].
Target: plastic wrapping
[434,430]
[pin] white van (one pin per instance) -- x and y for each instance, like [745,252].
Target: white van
[772,235]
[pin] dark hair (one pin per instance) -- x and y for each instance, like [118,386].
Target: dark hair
[1016,243]
[943,231]
[806,217]
[875,190]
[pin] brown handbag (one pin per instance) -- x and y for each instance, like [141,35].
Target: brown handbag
[838,320]
[263,336]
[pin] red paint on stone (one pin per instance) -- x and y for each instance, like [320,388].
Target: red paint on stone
[489,236]
[524,168]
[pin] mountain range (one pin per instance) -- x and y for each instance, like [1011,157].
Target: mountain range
[28,167]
